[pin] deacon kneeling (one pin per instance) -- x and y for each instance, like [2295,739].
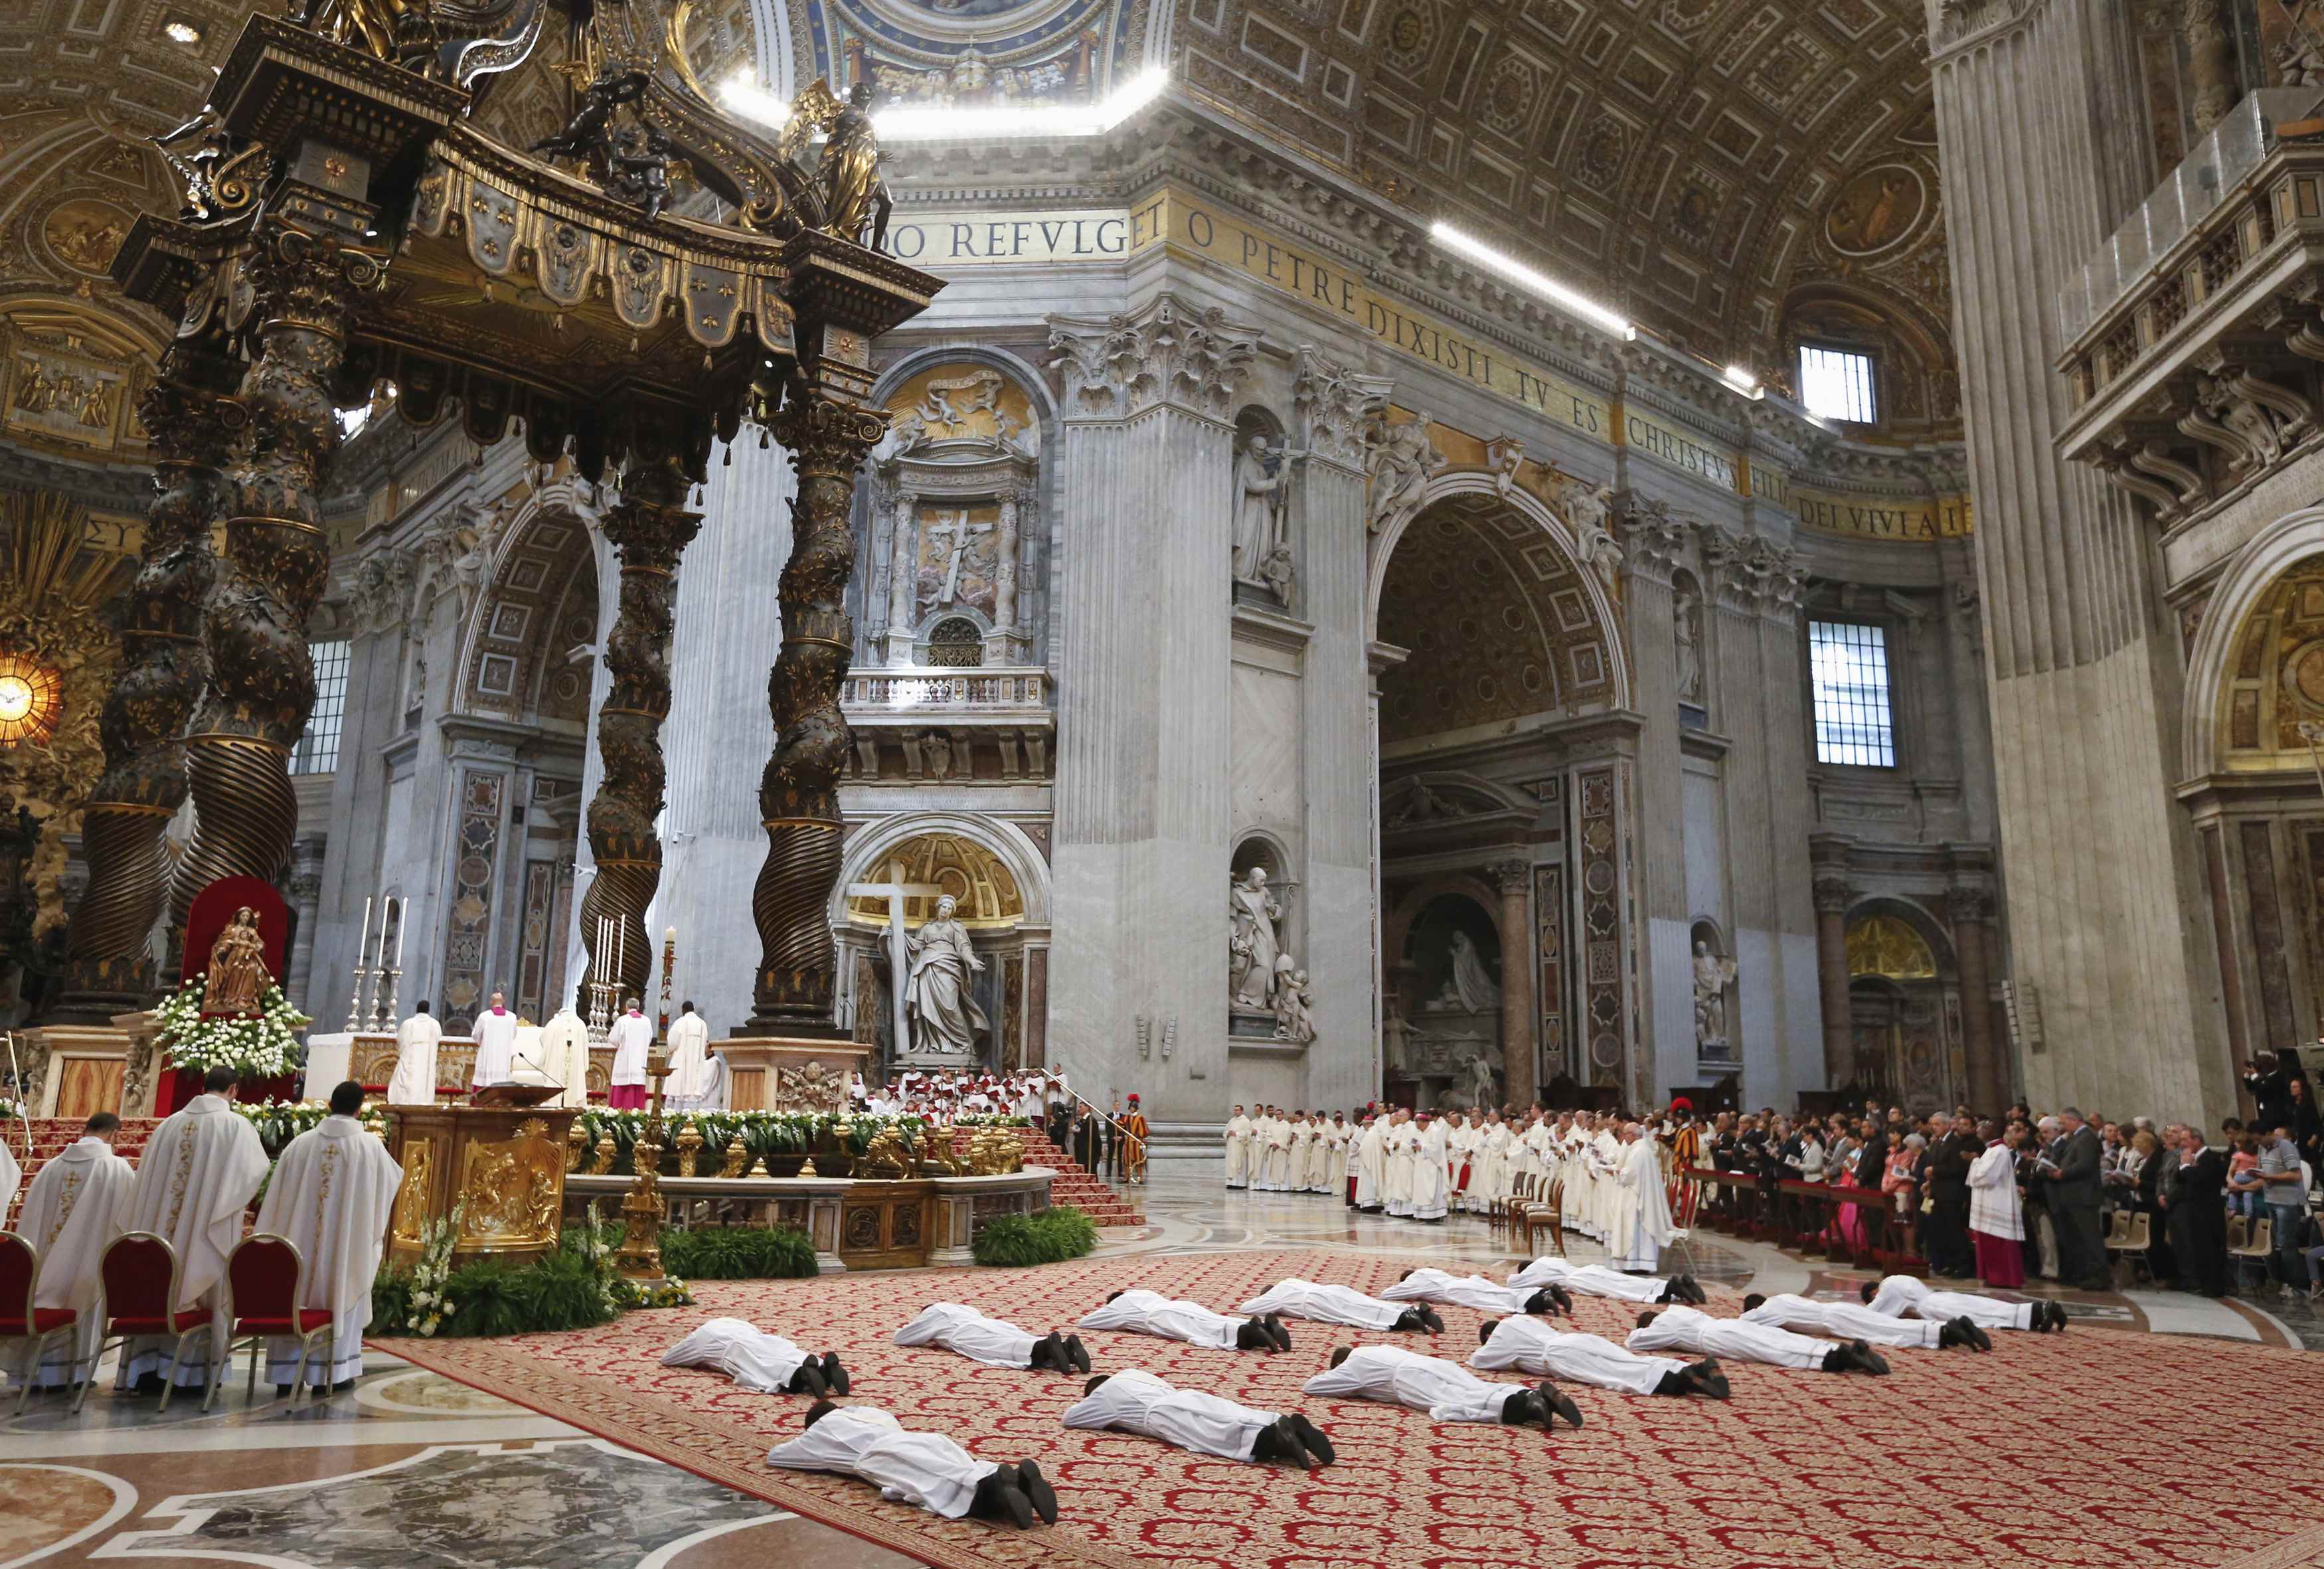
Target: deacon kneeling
[763,1364]
[1850,1321]
[68,1216]
[1528,1345]
[1476,1291]
[1447,1391]
[1901,1294]
[994,1341]
[1341,1305]
[925,1469]
[332,1192]
[1143,1312]
[1684,1329]
[1135,1401]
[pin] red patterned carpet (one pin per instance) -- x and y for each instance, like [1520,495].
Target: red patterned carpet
[2090,1448]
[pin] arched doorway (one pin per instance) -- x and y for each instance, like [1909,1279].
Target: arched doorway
[1903,1010]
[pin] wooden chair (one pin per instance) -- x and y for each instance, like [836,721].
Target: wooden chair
[1546,1216]
[2256,1250]
[20,1278]
[266,1279]
[141,1275]
[1503,1215]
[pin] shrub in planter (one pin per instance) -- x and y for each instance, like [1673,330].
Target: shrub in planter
[1050,1237]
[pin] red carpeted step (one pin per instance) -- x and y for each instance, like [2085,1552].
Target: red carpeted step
[1074,1183]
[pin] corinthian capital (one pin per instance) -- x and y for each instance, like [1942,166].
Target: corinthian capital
[1337,407]
[1833,896]
[1657,539]
[1511,876]
[1737,579]
[1165,353]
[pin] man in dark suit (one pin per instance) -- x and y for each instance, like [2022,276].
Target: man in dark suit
[2269,1084]
[1948,1161]
[2195,1212]
[2074,1191]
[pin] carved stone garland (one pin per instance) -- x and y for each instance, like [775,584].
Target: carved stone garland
[261,679]
[798,794]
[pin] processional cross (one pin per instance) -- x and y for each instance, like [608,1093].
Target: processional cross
[895,890]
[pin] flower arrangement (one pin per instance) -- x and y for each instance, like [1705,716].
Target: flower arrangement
[429,1302]
[262,1048]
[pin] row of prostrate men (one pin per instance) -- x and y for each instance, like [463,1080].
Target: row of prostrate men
[934,1472]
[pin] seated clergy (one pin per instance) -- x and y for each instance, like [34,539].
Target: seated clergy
[1341,1305]
[925,1469]
[1142,1312]
[1447,1391]
[199,1173]
[1853,1321]
[993,1342]
[1684,1329]
[1476,1291]
[1528,1345]
[1135,1401]
[764,1363]
[68,1218]
[331,1194]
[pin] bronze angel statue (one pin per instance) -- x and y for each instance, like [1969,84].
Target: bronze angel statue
[854,196]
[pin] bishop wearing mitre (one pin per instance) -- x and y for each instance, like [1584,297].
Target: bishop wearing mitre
[200,1171]
[631,1039]
[690,1060]
[414,1082]
[495,1035]
[330,1197]
[68,1219]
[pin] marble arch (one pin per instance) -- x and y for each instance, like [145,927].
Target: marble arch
[541,583]
[2255,570]
[869,848]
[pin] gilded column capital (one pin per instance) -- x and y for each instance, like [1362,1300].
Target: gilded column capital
[1337,408]
[1166,352]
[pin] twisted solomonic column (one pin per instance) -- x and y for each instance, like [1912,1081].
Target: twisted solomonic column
[650,527]
[798,794]
[262,679]
[190,417]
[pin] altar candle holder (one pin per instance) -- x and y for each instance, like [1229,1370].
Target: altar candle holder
[362,936]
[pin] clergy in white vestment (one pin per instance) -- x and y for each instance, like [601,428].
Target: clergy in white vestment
[1332,1177]
[1447,1392]
[196,1175]
[1303,1150]
[67,1218]
[330,1196]
[1134,1400]
[559,1056]
[1605,1157]
[413,1082]
[12,1176]
[1432,1285]
[1639,1221]
[1275,1132]
[1396,1190]
[1143,1312]
[1371,1165]
[1854,1321]
[1341,1305]
[495,1033]
[1238,1141]
[925,1469]
[631,1039]
[994,1341]
[1528,1345]
[1598,1280]
[690,1060]
[1684,1329]
[1901,1294]
[763,1364]
[1430,1184]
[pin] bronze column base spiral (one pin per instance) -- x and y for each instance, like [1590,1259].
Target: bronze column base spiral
[799,793]
[650,527]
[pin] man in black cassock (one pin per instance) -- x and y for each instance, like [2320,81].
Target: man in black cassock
[2196,1216]
[1086,1147]
[1947,1229]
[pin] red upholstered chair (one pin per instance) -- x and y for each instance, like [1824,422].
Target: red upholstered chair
[265,1278]
[141,1276]
[19,1277]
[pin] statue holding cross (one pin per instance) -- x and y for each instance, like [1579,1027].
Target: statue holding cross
[895,891]
[958,526]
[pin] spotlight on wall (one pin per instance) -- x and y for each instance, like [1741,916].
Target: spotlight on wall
[1540,283]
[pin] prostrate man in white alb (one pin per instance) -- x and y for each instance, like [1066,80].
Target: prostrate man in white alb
[690,1060]
[631,1039]
[994,1341]
[1447,1392]
[68,1216]
[1528,1345]
[1135,1401]
[1639,1216]
[330,1196]
[1341,1305]
[925,1469]
[413,1082]
[1903,1294]
[766,1364]
[495,1033]
[1476,1291]
[1853,1321]
[1143,1312]
[1684,1329]
[1238,1142]
[1598,1280]
[199,1173]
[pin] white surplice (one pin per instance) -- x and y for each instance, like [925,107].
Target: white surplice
[1430,1197]
[1396,1188]
[1341,1305]
[12,1176]
[1846,1321]
[756,1361]
[1134,1400]
[1993,1206]
[1460,1291]
[413,1082]
[1447,1392]
[1528,1345]
[1638,1220]
[196,1176]
[1143,1312]
[68,1218]
[495,1034]
[331,1194]
[1591,1281]
[1903,1294]
[689,1061]
[994,1341]
[1372,1164]
[927,1469]
[1684,1329]
[1238,1141]
[631,1039]
[559,1055]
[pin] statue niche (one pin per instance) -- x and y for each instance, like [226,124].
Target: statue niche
[1266,990]
[1260,510]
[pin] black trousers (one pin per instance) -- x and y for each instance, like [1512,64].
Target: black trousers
[1948,1237]
[2082,1246]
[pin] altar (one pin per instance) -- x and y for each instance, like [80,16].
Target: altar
[369,1057]
[502,1166]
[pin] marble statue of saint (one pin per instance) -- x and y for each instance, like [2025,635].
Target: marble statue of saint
[1686,631]
[1294,1023]
[1254,912]
[1712,976]
[1483,1090]
[1259,505]
[1401,462]
[942,1017]
[237,978]
[1477,992]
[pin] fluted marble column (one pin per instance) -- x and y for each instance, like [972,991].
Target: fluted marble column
[1520,1034]
[1657,545]
[2105,920]
[1832,897]
[1143,726]
[1968,911]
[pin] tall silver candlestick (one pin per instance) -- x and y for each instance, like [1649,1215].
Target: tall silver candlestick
[362,935]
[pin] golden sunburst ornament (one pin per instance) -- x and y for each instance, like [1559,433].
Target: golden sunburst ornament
[32,696]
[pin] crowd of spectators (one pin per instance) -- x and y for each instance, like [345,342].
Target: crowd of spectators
[2001,1198]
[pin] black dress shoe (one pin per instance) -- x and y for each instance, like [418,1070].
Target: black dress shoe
[999,1499]
[1277,1443]
[1312,1438]
[1077,1354]
[1250,1334]
[1430,1318]
[1037,1491]
[1559,1401]
[809,1380]
[1276,1331]
[833,1374]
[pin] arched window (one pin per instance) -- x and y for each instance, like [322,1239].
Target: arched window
[954,642]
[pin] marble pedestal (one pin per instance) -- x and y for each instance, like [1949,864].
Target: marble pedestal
[768,1072]
[85,1068]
